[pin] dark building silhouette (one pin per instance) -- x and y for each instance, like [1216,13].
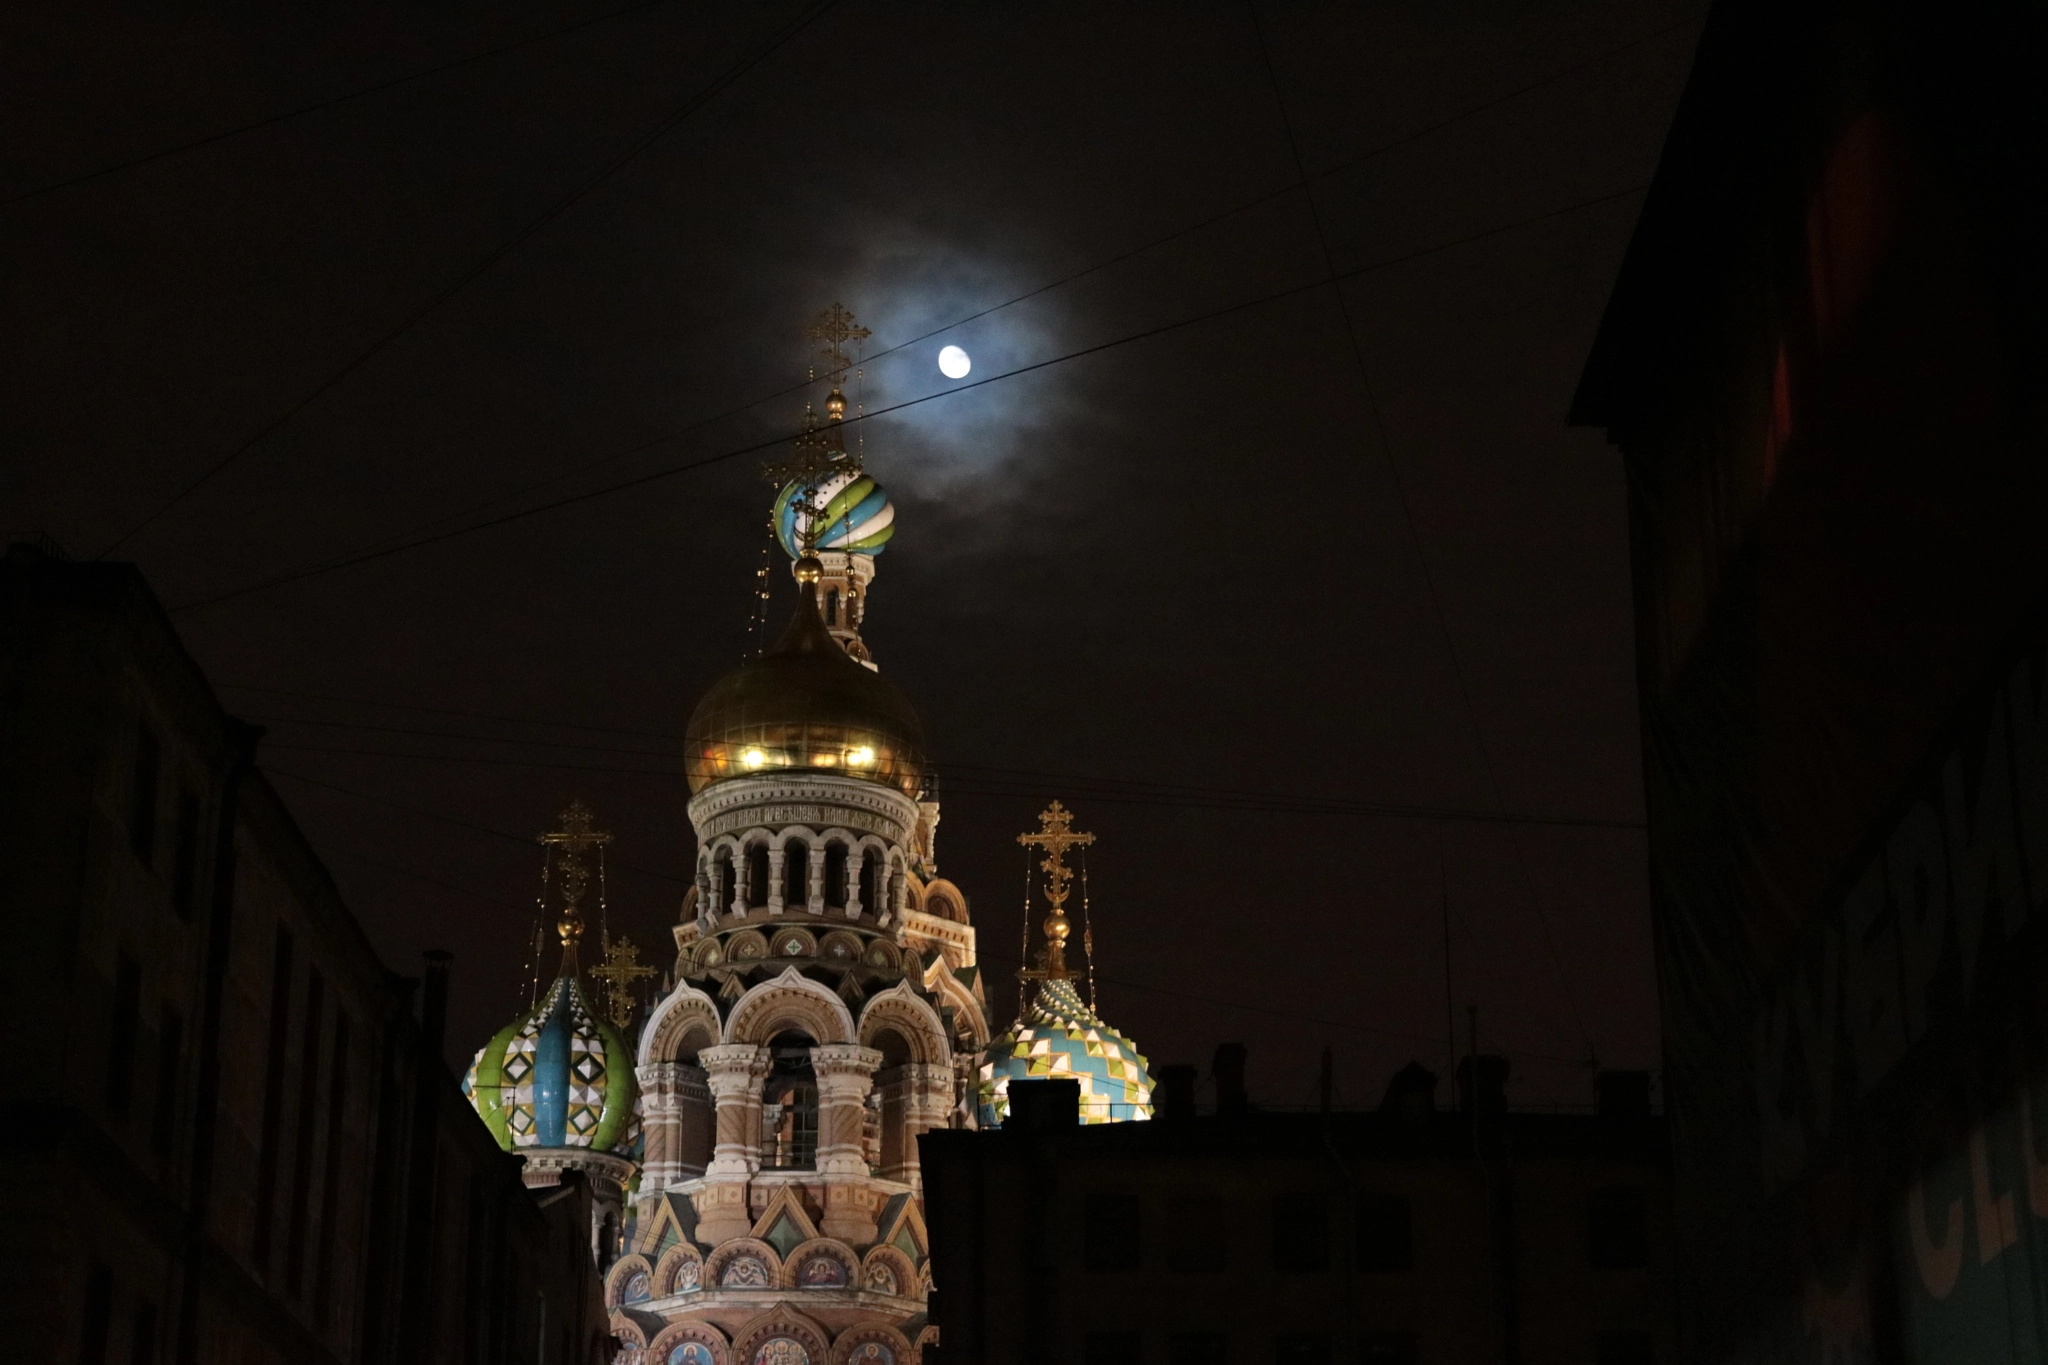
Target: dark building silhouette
[1823,365]
[228,1138]
[1406,1235]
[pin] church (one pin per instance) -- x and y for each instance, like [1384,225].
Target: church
[752,1138]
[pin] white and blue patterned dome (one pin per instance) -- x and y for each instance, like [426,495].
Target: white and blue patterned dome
[557,1076]
[855,516]
[1060,1038]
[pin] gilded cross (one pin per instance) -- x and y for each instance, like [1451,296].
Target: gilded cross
[1056,834]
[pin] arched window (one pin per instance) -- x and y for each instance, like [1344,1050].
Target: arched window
[789,1105]
[757,875]
[835,874]
[870,878]
[796,873]
[723,888]
[832,607]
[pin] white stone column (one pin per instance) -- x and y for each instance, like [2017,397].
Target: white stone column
[845,1072]
[916,1098]
[743,881]
[733,1072]
[816,888]
[775,860]
[856,859]
[660,1113]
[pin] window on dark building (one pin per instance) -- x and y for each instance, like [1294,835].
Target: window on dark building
[99,1306]
[1618,1239]
[1387,1348]
[142,796]
[1301,1233]
[273,1096]
[1112,1348]
[1196,1348]
[1622,1348]
[757,875]
[1110,1233]
[170,1043]
[1386,1233]
[127,1021]
[1196,1233]
[185,857]
[835,874]
[1301,1348]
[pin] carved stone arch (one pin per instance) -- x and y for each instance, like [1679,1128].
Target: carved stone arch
[684,1010]
[839,834]
[629,1332]
[630,1281]
[719,1263]
[798,1270]
[788,832]
[679,1271]
[791,1000]
[954,992]
[783,1320]
[852,1346]
[680,1334]
[901,1270]
[946,900]
[901,1008]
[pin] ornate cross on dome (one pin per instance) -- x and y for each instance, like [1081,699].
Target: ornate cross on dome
[621,969]
[835,327]
[569,844]
[1055,835]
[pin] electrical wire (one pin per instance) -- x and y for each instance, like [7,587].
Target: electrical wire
[1385,447]
[756,447]
[554,210]
[1148,987]
[1152,244]
[275,119]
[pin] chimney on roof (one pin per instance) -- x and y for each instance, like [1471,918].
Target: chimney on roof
[1227,1067]
[1483,1085]
[1411,1093]
[1044,1106]
[1624,1094]
[1173,1096]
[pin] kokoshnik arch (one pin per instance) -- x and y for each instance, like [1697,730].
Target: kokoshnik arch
[754,1152]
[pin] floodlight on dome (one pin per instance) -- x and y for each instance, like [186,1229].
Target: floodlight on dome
[753,758]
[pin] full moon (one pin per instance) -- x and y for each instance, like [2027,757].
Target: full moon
[953,363]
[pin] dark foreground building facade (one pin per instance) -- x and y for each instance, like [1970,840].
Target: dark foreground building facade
[1410,1236]
[228,1139]
[1824,366]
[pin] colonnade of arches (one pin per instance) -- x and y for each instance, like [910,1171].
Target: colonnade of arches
[792,1081]
[797,868]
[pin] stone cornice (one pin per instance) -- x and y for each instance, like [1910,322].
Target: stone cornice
[813,799]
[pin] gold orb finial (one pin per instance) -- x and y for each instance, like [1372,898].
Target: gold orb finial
[835,405]
[809,569]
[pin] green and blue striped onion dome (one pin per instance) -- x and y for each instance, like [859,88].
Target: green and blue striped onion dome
[856,516]
[1060,1038]
[558,1076]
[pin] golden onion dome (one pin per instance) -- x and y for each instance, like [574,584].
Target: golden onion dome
[805,705]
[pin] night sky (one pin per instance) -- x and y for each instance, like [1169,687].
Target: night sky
[1288,653]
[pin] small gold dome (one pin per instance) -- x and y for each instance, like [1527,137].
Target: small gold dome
[805,706]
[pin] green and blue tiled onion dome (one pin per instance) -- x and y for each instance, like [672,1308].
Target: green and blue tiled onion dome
[557,1076]
[1060,1038]
[855,516]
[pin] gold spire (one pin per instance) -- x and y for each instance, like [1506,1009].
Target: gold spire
[567,847]
[1055,835]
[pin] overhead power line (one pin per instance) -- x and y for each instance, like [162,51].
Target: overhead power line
[1122,982]
[288,115]
[1385,450]
[756,447]
[554,210]
[1243,206]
